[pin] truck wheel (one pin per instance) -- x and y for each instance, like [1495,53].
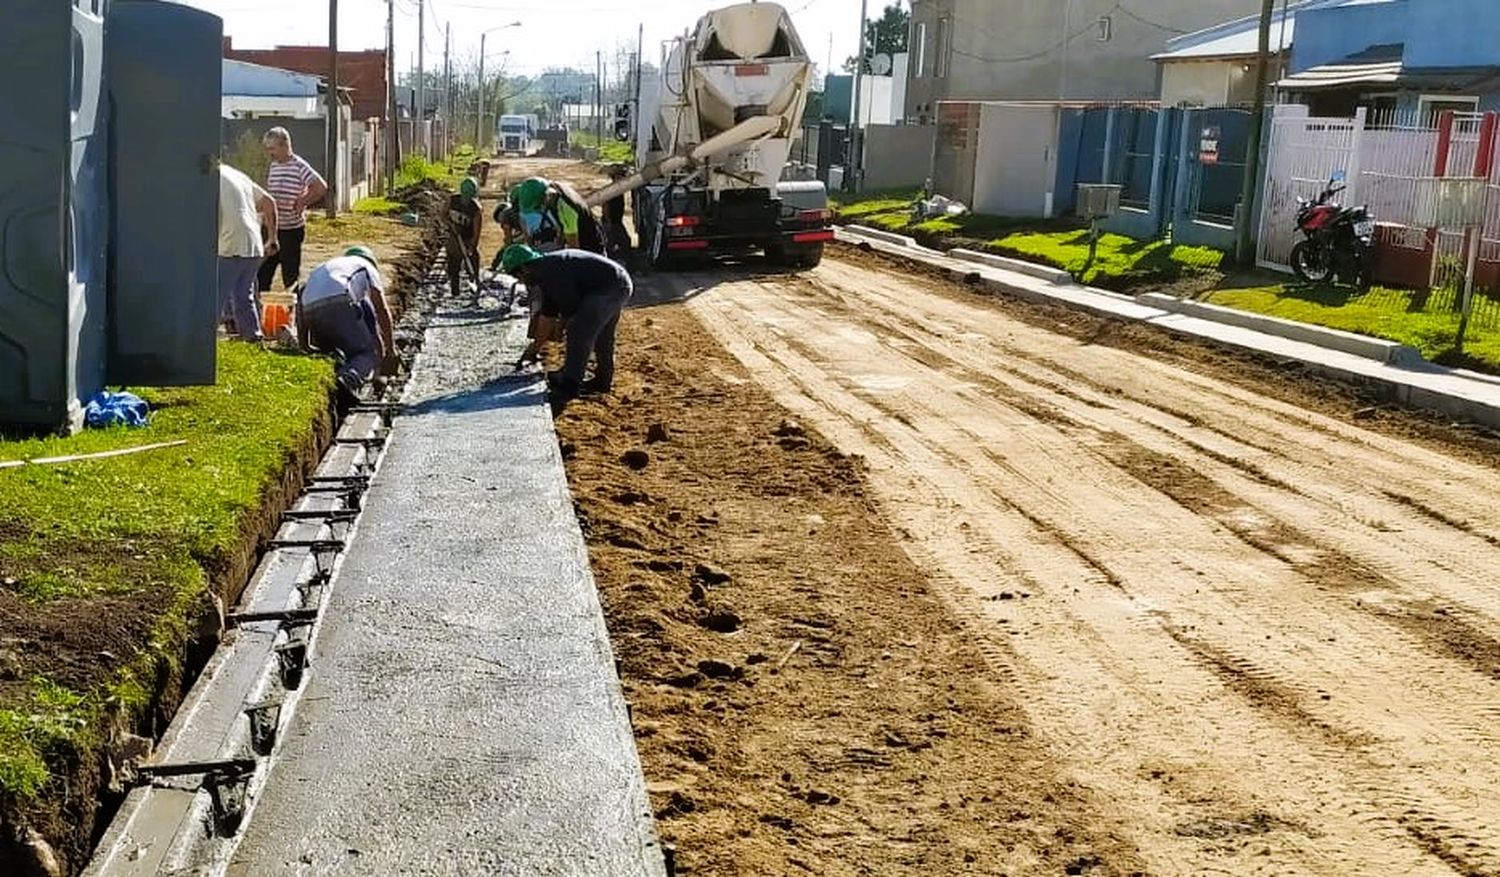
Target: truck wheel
[810,257]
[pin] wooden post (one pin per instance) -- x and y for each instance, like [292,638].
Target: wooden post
[334,110]
[1245,234]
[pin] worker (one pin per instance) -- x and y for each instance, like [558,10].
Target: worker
[342,310]
[586,293]
[465,221]
[536,210]
[247,234]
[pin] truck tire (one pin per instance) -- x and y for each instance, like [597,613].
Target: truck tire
[802,258]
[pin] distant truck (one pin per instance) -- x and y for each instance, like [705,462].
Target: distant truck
[517,135]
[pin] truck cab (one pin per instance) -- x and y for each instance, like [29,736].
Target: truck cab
[517,133]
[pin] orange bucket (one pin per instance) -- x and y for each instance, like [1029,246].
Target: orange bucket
[275,315]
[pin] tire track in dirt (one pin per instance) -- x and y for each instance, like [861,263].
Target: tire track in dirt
[801,365]
[1116,636]
[1236,450]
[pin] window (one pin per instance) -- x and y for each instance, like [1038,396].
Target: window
[944,36]
[1432,107]
[919,68]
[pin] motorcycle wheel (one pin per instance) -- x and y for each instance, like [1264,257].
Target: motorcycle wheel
[1310,263]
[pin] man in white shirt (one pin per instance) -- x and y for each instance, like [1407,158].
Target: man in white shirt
[294,185]
[342,311]
[247,233]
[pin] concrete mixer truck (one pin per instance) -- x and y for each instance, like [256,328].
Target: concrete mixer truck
[713,131]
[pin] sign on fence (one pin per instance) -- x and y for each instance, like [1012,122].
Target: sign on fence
[1208,145]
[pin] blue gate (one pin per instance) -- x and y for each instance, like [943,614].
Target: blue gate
[1211,168]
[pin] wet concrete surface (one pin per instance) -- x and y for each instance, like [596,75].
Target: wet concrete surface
[463,715]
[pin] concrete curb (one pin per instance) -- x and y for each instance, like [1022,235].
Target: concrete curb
[1398,371]
[881,234]
[1334,339]
[1041,272]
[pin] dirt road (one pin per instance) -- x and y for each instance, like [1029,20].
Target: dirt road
[1261,639]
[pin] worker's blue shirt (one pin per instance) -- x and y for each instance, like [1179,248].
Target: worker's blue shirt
[565,278]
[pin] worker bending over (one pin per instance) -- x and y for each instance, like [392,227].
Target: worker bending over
[587,293]
[465,222]
[342,310]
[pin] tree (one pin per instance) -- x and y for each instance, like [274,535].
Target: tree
[887,35]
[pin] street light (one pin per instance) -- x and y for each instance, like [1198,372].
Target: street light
[479,111]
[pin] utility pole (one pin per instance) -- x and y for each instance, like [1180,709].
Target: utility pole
[479,106]
[1245,235]
[599,100]
[448,89]
[333,110]
[855,144]
[392,141]
[420,131]
[635,114]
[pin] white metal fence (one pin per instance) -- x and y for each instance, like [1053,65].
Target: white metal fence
[1305,154]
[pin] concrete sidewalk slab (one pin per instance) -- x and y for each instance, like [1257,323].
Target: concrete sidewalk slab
[1377,349]
[463,715]
[1405,378]
[1041,272]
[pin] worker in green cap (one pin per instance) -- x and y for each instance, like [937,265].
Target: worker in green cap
[465,221]
[536,207]
[584,292]
[341,310]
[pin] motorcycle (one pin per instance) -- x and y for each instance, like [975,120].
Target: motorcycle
[1338,242]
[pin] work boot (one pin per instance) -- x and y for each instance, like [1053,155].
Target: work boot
[595,387]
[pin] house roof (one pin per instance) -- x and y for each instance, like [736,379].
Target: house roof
[1240,37]
[243,79]
[1382,65]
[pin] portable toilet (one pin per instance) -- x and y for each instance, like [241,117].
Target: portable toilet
[54,211]
[165,86]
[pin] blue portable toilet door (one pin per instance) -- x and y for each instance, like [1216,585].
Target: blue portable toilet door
[53,198]
[165,84]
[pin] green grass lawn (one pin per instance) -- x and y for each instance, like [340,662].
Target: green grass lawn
[1426,322]
[611,151]
[377,206]
[145,531]
[1119,259]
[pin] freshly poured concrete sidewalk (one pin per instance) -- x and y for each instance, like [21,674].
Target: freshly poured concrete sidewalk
[463,715]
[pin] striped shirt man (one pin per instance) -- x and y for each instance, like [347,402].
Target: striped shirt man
[288,182]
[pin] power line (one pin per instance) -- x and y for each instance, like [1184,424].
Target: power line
[1148,22]
[1033,56]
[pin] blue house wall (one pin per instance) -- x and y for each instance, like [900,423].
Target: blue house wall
[1330,34]
[1452,33]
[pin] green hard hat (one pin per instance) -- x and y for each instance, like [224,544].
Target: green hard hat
[469,188]
[531,194]
[517,256]
[364,253]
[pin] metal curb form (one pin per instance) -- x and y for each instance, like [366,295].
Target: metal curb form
[186,806]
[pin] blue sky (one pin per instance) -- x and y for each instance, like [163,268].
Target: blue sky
[552,32]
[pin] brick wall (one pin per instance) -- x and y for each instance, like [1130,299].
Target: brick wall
[363,72]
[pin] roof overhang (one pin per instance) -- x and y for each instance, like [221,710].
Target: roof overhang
[1343,75]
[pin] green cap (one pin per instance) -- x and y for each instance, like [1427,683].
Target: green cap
[531,194]
[517,256]
[364,253]
[469,188]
